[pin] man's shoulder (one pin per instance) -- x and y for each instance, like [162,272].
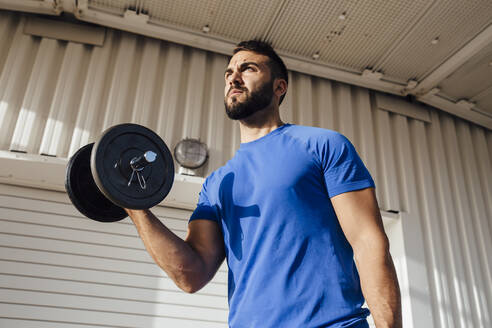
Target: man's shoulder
[217,175]
[311,134]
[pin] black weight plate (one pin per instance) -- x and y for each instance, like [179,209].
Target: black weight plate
[110,166]
[84,193]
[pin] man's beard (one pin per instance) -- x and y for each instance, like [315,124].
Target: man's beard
[254,102]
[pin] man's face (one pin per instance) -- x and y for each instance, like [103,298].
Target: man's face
[248,85]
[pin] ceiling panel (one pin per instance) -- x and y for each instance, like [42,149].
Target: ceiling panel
[231,19]
[351,34]
[454,22]
[186,13]
[389,36]
[243,20]
[472,78]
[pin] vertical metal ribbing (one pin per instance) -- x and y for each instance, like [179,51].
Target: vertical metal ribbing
[386,161]
[8,26]
[291,98]
[236,138]
[484,188]
[423,311]
[367,142]
[324,101]
[170,100]
[480,243]
[434,229]
[483,159]
[304,98]
[122,91]
[144,100]
[345,115]
[194,95]
[216,135]
[449,226]
[287,107]
[399,168]
[66,101]
[402,154]
[13,81]
[38,97]
[465,236]
[88,123]
[377,171]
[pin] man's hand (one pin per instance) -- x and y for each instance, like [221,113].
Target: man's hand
[361,222]
[190,263]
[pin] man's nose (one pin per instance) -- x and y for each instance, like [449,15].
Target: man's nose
[235,79]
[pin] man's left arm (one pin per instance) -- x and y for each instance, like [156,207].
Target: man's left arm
[360,219]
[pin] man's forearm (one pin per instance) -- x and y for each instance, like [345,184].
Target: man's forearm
[380,285]
[176,257]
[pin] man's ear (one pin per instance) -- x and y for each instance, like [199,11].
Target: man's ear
[280,87]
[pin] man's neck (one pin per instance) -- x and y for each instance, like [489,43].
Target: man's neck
[259,124]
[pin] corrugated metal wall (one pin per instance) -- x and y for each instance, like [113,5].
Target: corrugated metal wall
[56,96]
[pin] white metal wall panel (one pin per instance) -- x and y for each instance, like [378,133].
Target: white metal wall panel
[8,24]
[439,173]
[59,267]
[15,75]
[65,102]
[30,126]
[93,98]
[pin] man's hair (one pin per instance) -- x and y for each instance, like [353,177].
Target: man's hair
[276,64]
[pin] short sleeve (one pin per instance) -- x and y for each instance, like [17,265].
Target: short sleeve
[343,169]
[204,209]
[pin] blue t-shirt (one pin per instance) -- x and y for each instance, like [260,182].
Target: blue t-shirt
[290,264]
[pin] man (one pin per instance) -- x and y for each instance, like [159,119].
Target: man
[290,212]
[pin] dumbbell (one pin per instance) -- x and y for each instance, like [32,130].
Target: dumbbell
[129,166]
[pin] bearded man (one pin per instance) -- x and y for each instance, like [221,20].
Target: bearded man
[290,212]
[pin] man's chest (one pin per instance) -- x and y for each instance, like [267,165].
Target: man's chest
[271,177]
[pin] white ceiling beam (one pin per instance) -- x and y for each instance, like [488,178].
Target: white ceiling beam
[68,31]
[462,109]
[454,62]
[48,7]
[373,81]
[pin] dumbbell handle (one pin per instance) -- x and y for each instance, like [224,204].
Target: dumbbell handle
[139,162]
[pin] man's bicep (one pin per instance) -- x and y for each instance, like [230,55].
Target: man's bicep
[205,237]
[359,217]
